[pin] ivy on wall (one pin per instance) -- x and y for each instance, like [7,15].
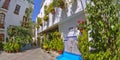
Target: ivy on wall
[103,22]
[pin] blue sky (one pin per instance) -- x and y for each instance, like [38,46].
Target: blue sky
[36,10]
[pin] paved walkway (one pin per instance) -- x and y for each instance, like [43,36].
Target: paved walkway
[33,54]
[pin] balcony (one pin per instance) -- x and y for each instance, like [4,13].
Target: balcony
[4,10]
[61,15]
[4,5]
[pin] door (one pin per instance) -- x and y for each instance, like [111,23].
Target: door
[1,37]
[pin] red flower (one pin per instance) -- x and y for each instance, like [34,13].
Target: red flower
[81,25]
[83,21]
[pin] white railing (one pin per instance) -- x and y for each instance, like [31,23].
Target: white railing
[63,14]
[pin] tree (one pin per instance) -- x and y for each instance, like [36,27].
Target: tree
[103,22]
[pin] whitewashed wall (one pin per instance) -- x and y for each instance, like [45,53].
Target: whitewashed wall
[10,17]
[70,22]
[14,19]
[65,18]
[1,3]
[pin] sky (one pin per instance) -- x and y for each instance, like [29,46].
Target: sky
[36,9]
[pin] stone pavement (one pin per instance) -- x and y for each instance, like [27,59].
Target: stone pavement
[33,54]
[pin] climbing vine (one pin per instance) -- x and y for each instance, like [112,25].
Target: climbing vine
[103,22]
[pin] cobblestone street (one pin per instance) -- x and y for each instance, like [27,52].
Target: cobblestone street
[33,54]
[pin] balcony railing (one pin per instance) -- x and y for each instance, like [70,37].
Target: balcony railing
[63,14]
[2,9]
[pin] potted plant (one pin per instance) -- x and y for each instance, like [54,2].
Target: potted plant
[11,46]
[6,47]
[54,44]
[46,17]
[37,26]
[60,46]
[46,10]
[51,8]
[45,7]
[81,25]
[57,33]
[59,3]
[53,11]
[45,44]
[16,47]
[62,4]
[39,21]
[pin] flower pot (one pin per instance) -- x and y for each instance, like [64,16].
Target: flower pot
[81,30]
[17,50]
[46,20]
[62,7]
[46,17]
[40,24]
[53,11]
[60,52]
[9,51]
[44,47]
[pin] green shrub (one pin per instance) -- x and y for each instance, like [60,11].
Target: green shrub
[83,44]
[54,42]
[7,47]
[103,22]
[46,17]
[59,3]
[1,45]
[16,46]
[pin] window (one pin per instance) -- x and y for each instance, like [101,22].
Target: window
[24,18]
[2,18]
[17,9]
[6,4]
[25,21]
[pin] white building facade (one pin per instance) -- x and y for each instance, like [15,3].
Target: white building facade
[12,12]
[63,19]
